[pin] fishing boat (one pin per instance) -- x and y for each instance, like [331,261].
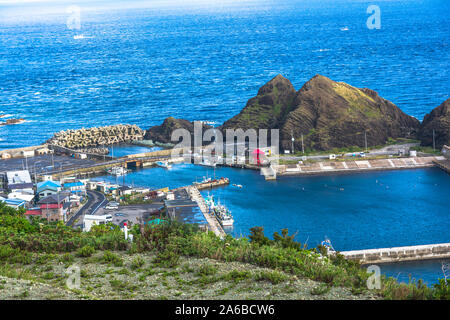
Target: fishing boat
[210,203]
[207,163]
[223,214]
[205,180]
[117,171]
[164,164]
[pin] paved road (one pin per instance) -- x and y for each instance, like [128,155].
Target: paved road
[388,150]
[96,200]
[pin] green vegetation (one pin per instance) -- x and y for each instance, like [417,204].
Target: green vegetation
[428,150]
[24,242]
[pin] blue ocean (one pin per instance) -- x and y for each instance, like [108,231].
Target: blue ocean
[138,63]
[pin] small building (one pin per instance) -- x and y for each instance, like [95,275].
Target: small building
[446,151]
[14,203]
[43,151]
[47,188]
[55,207]
[91,220]
[19,181]
[22,195]
[6,155]
[34,212]
[124,190]
[27,153]
[77,187]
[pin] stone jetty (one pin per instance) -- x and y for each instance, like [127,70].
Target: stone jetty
[95,137]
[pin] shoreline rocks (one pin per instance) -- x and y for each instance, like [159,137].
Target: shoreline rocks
[439,121]
[97,136]
[12,121]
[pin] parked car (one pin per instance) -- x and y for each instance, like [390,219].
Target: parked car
[110,206]
[119,215]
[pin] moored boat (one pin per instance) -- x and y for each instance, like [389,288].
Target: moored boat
[164,164]
[117,171]
[223,214]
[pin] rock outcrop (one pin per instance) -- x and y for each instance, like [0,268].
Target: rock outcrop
[439,121]
[94,137]
[163,132]
[12,121]
[268,109]
[328,114]
[333,114]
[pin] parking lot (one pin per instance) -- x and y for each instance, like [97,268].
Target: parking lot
[44,164]
[131,213]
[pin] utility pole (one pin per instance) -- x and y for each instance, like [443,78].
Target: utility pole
[303,146]
[292,139]
[434,142]
[365,139]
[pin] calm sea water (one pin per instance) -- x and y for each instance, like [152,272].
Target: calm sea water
[141,65]
[360,211]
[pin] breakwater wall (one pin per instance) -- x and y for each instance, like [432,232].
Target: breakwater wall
[398,254]
[98,136]
[446,152]
[349,166]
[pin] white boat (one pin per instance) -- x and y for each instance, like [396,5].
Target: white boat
[207,163]
[344,29]
[223,214]
[164,164]
[78,36]
[118,171]
[237,185]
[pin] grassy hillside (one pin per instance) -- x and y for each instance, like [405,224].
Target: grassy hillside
[174,261]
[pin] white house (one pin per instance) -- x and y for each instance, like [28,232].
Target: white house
[91,220]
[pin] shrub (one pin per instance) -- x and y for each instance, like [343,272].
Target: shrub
[137,263]
[207,270]
[442,290]
[275,277]
[109,257]
[86,251]
[320,289]
[257,236]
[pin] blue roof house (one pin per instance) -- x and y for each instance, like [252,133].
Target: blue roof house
[47,188]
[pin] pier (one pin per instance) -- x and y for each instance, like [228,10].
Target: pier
[443,164]
[349,166]
[212,221]
[212,183]
[398,254]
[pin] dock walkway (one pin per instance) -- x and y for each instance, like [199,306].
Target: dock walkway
[443,164]
[348,166]
[397,254]
[212,221]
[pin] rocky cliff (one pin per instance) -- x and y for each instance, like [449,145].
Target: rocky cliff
[439,121]
[328,114]
[333,114]
[268,109]
[163,132]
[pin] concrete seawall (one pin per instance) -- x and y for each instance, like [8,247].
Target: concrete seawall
[349,166]
[398,254]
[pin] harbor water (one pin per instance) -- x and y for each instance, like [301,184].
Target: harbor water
[356,211]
